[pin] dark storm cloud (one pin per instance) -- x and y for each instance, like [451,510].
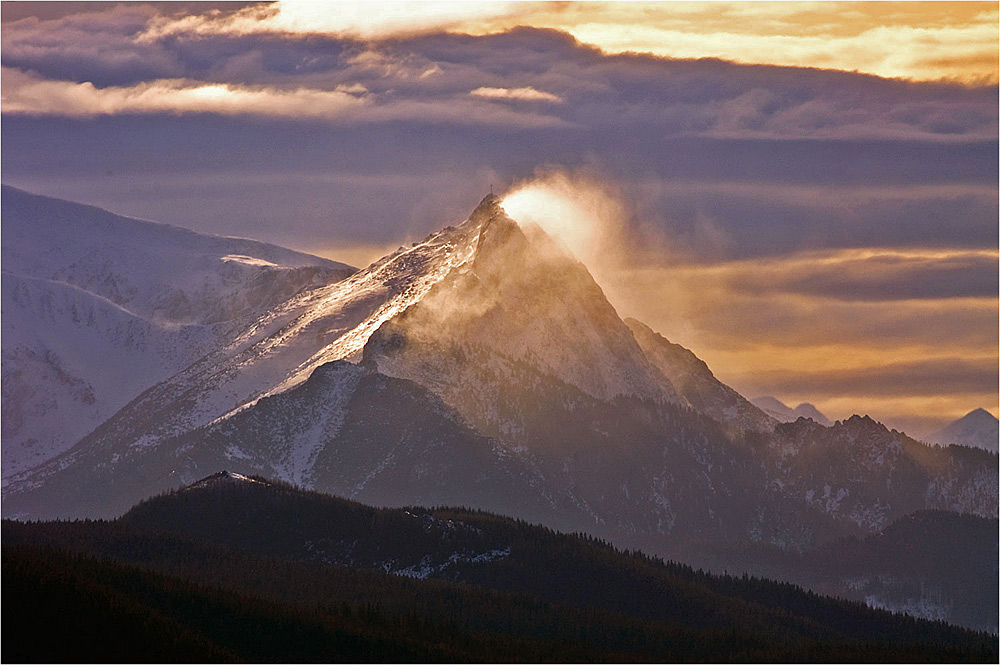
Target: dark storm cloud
[98,47]
[47,11]
[119,161]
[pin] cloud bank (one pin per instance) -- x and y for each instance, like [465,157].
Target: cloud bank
[897,40]
[123,51]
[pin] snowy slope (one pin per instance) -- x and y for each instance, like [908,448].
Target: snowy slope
[344,431]
[272,353]
[976,429]
[98,307]
[153,270]
[71,359]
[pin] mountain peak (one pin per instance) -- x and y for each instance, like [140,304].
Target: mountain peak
[488,208]
[530,306]
[976,429]
[501,246]
[980,414]
[224,477]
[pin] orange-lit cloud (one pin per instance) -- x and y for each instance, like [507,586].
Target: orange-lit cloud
[526,94]
[371,19]
[111,61]
[924,41]
[843,356]
[914,40]
[23,93]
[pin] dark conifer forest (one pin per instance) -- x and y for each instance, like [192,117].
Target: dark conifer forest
[249,570]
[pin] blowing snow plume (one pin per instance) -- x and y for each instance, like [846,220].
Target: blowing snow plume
[519,299]
[591,218]
[581,212]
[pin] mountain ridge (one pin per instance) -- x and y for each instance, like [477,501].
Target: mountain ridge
[249,517]
[697,383]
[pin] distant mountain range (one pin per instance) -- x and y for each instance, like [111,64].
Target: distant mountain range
[236,567]
[481,367]
[976,429]
[778,410]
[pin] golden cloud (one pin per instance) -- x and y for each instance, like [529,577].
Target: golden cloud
[352,103]
[22,93]
[526,94]
[371,19]
[912,40]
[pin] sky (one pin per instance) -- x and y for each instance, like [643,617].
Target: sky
[804,194]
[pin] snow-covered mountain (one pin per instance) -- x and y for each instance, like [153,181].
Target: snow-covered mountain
[783,413]
[281,350]
[97,307]
[72,358]
[276,351]
[521,305]
[976,429]
[482,367]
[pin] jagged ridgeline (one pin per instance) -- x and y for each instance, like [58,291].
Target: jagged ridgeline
[244,568]
[481,367]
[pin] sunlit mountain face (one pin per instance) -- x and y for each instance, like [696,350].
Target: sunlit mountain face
[712,281]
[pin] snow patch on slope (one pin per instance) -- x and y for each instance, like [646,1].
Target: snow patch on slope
[427,567]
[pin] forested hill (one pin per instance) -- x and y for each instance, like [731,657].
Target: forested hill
[238,568]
